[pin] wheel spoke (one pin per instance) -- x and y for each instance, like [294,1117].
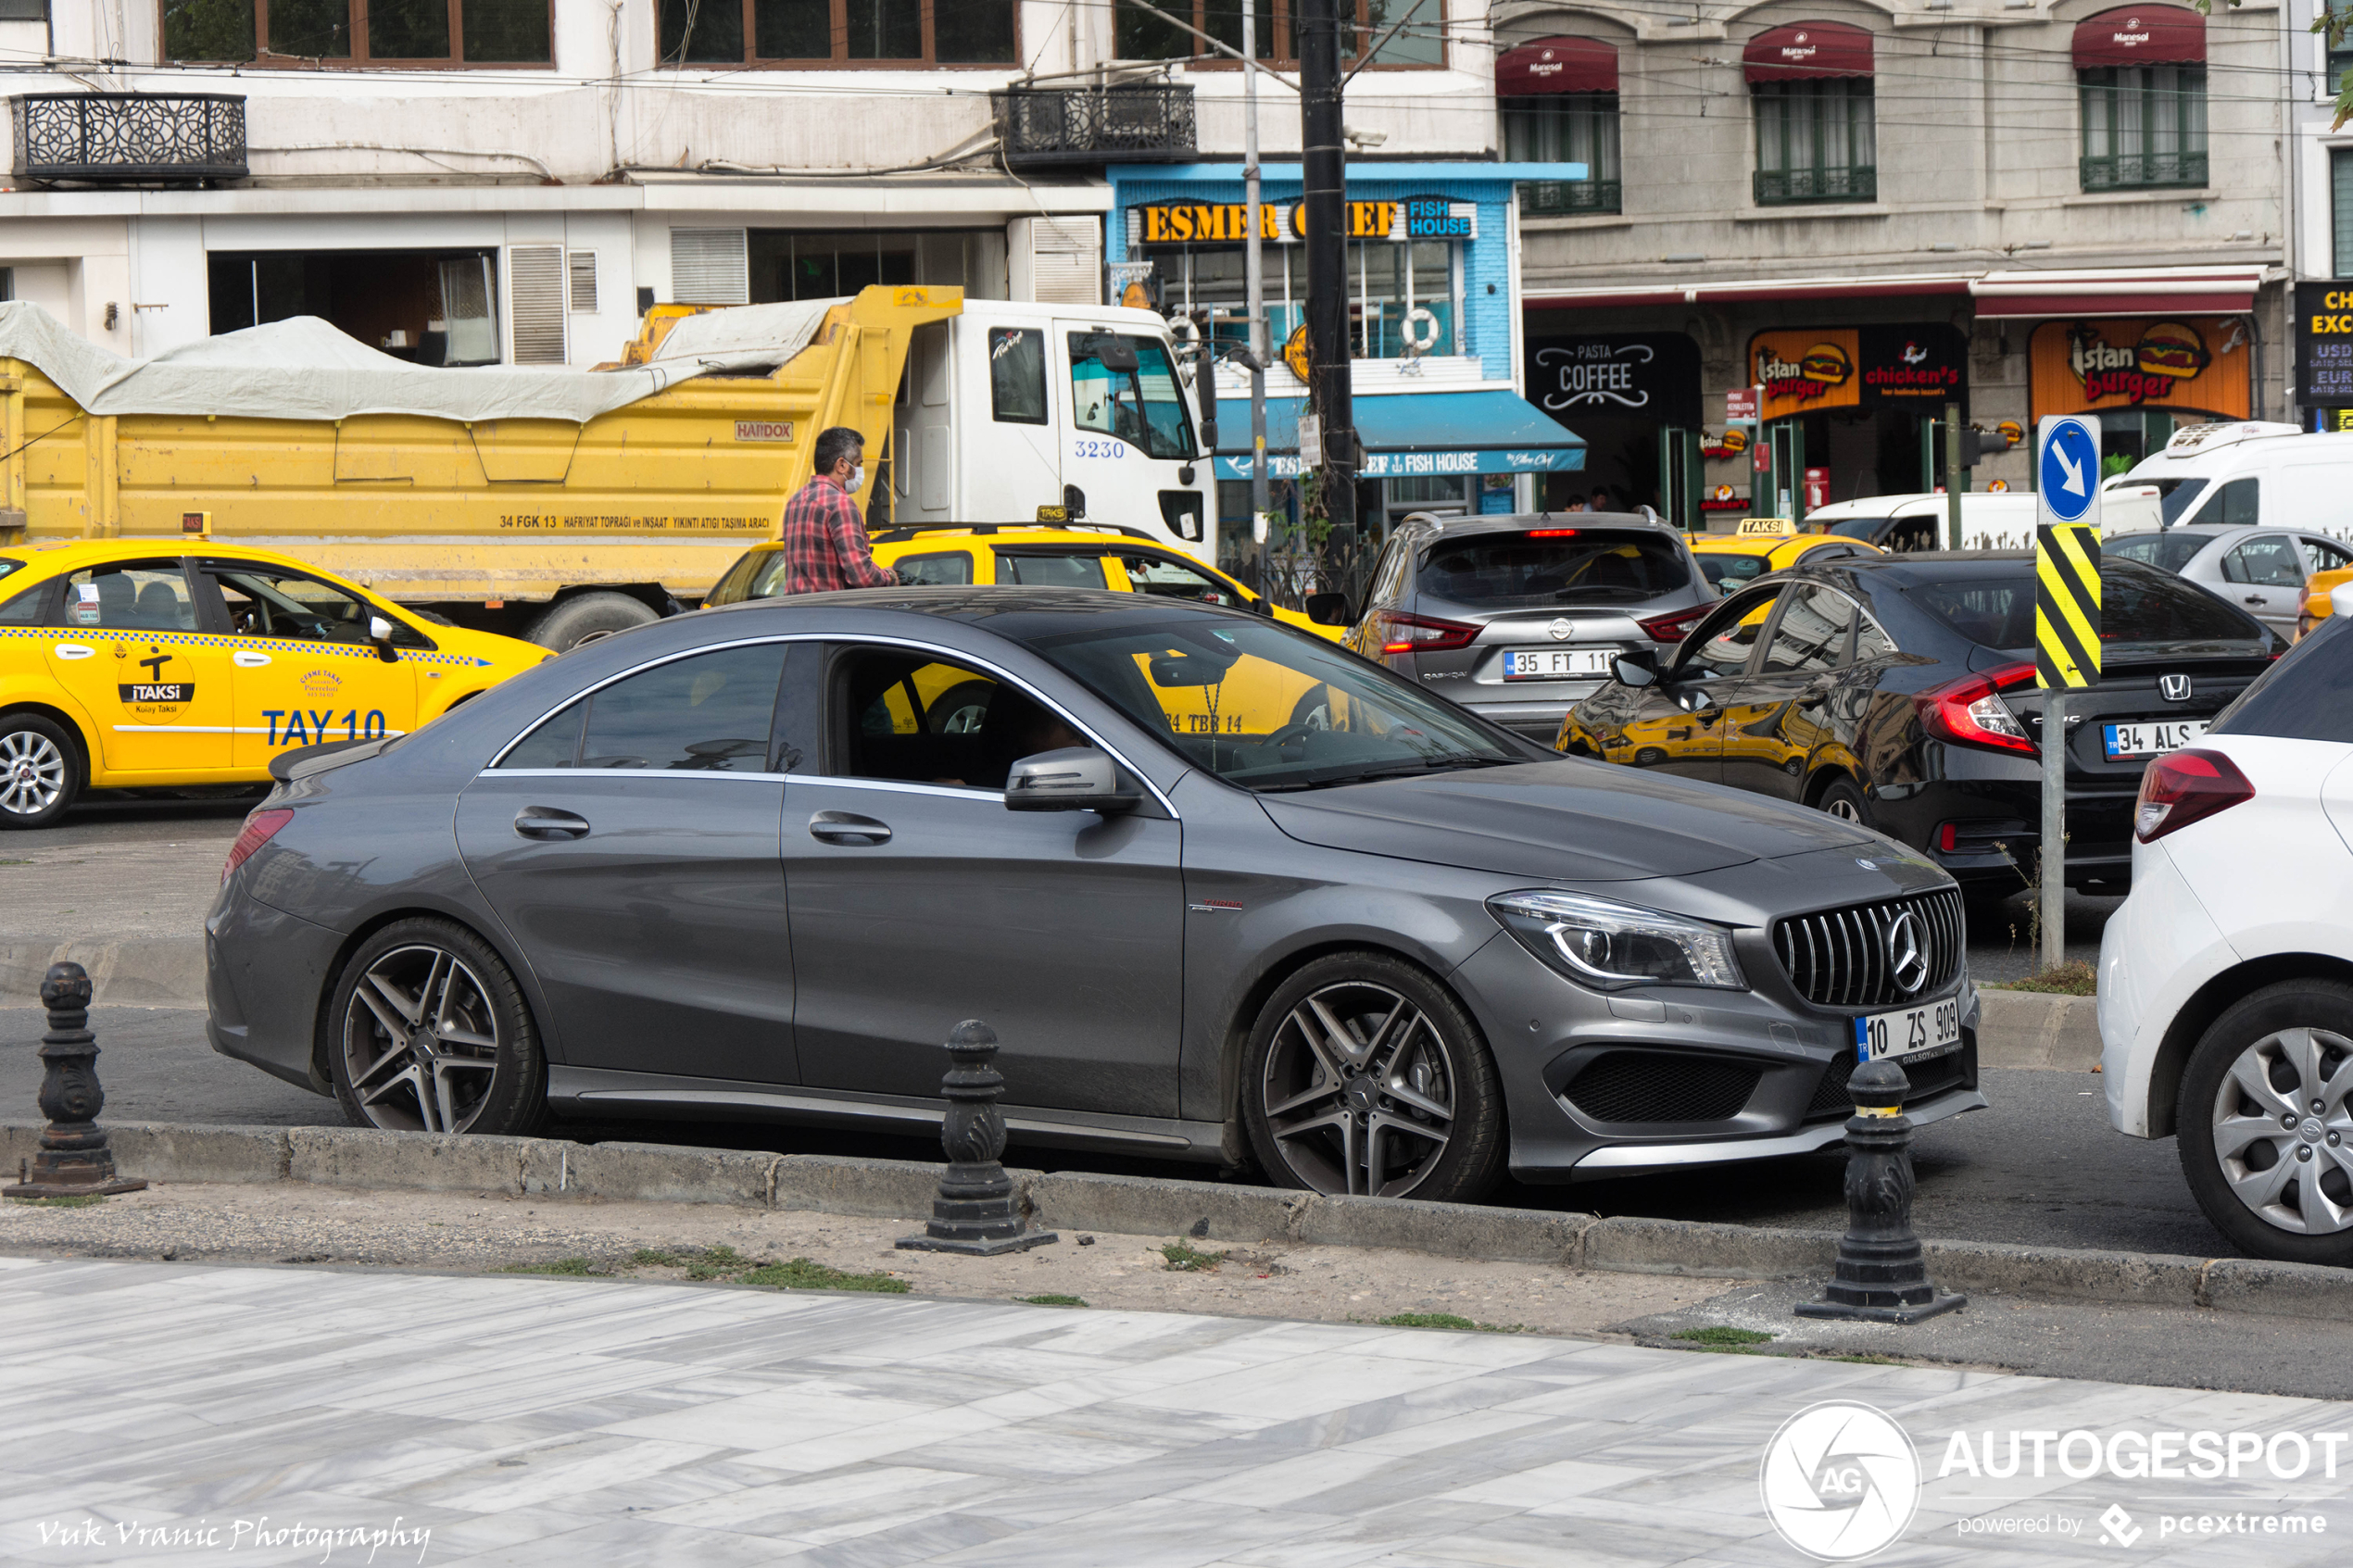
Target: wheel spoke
[2320,1216]
[1320,1090]
[1389,1039]
[1339,1035]
[2234,1135]
[399,1050]
[2303,1053]
[410,1009]
[466,1037]
[388,1016]
[1421,1102]
[1306,1020]
[2249,1074]
[2332,1090]
[2261,1189]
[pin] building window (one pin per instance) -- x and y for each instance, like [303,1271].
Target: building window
[1404,295]
[1815,141]
[1143,31]
[2340,208]
[427,33]
[2143,126]
[1566,128]
[808,32]
[2340,50]
[427,306]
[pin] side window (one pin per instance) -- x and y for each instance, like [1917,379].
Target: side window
[709,713]
[1051,572]
[2233,506]
[952,568]
[143,596]
[25,609]
[1018,375]
[1719,647]
[2327,554]
[909,718]
[1165,579]
[555,743]
[1811,634]
[280,604]
[1872,642]
[2266,561]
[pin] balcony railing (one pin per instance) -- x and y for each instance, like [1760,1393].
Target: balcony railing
[1568,198]
[1145,123]
[1781,187]
[2143,170]
[135,137]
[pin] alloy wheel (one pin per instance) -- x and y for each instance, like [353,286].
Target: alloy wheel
[1359,1091]
[1843,809]
[421,1041]
[2284,1134]
[33,772]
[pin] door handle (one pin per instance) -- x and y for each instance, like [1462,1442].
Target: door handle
[546,821]
[245,658]
[2254,598]
[71,651]
[848,828]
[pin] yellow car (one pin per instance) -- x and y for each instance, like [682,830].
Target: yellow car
[128,663]
[2317,589]
[1733,560]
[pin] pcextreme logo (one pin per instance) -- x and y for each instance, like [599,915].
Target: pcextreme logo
[1840,1481]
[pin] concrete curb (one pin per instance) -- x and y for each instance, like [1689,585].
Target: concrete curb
[1145,1206]
[154,971]
[2027,1029]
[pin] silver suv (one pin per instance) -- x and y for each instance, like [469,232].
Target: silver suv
[1518,616]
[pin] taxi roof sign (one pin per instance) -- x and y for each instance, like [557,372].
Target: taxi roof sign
[1767,525]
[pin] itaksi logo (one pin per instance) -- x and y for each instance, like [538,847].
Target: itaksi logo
[1840,1481]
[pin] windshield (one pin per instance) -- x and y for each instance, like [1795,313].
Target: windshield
[1268,708]
[2135,607]
[2167,552]
[1729,572]
[2173,496]
[1123,386]
[1862,528]
[756,576]
[1554,566]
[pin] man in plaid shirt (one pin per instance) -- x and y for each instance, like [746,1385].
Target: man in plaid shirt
[825,542]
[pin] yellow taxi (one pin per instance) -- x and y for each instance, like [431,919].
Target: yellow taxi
[1766,544]
[2317,589]
[131,663]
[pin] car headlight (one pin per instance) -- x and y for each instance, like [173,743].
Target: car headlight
[1610,947]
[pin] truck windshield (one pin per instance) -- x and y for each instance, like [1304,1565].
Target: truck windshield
[1125,386]
[2173,496]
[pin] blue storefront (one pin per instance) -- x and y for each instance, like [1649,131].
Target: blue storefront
[1434,311]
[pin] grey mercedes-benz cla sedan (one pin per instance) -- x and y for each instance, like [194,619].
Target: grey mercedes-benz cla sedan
[758,862]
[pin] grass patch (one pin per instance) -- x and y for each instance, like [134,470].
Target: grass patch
[1448,1320]
[1051,1300]
[1865,1360]
[802,1274]
[1185,1258]
[78,1200]
[1715,1335]
[574,1267]
[2075,979]
[651,1258]
[717,1262]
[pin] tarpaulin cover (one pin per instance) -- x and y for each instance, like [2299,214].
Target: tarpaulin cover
[1557,65]
[2140,35]
[1804,50]
[1408,435]
[304,369]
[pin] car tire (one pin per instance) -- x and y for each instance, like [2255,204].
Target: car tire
[1363,1074]
[1844,799]
[586,618]
[2270,1059]
[427,1031]
[42,770]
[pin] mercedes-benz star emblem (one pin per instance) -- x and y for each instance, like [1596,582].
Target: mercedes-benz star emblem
[2173,688]
[1905,961]
[1561,629]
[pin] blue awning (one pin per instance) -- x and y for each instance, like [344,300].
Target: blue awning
[1412,435]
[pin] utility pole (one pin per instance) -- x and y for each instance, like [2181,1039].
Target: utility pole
[1324,177]
[1953,476]
[1254,272]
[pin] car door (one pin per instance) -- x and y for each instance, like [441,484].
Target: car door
[630,844]
[917,900]
[2265,573]
[127,639]
[303,668]
[1676,725]
[1776,716]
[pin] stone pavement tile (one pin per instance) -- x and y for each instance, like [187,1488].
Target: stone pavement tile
[759,1421]
[552,1474]
[1155,1532]
[1398,1534]
[1479,1425]
[1023,1453]
[1289,1389]
[632,1542]
[898,1541]
[815,1511]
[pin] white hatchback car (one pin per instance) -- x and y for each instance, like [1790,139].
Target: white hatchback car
[2226,980]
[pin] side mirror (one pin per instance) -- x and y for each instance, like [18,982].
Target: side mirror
[1330,609]
[1078,778]
[379,634]
[1638,667]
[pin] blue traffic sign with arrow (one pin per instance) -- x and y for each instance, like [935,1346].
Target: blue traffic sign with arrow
[2069,468]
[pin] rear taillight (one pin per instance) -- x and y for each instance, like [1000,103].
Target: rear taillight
[1674,628]
[258,831]
[1419,633]
[1970,711]
[2182,787]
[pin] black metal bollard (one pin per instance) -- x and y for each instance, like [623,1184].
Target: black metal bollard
[1881,1276]
[75,1159]
[975,1211]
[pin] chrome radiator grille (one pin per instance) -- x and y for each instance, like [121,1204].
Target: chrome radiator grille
[1840,958]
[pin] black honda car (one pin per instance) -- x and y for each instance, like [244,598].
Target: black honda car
[1898,692]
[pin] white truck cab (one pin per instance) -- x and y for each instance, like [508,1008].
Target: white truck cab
[2249,473]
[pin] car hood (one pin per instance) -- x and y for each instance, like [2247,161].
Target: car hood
[1569,820]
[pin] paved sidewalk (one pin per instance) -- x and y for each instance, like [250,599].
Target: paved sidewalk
[533,1421]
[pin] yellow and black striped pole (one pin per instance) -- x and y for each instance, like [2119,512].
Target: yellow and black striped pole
[2067,657]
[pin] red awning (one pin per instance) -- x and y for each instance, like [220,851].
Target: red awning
[2156,290]
[2140,35]
[1557,65]
[1804,50]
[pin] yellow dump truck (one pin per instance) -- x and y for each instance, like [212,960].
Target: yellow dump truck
[563,504]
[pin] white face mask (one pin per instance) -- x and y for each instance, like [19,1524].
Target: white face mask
[857,479]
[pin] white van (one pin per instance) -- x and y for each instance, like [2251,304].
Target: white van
[1990,520]
[2249,473]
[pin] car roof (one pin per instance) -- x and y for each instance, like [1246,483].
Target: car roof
[1098,606]
[65,554]
[1522,522]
